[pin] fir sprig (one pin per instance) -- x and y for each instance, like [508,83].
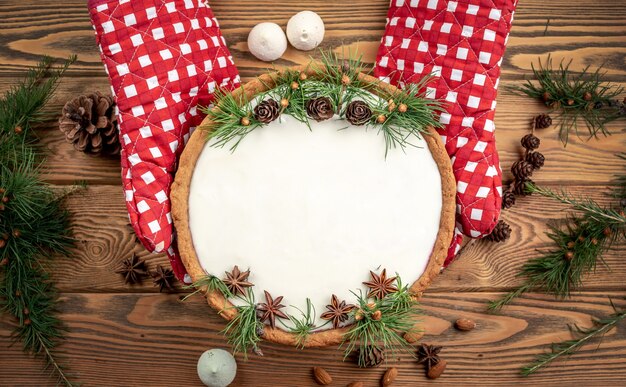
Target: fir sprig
[579,242]
[208,284]
[243,330]
[33,223]
[568,347]
[232,118]
[381,331]
[583,96]
[303,326]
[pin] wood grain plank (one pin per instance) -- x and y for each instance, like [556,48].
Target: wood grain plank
[583,161]
[104,240]
[592,35]
[155,340]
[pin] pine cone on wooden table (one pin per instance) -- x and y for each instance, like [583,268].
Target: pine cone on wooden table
[500,233]
[89,122]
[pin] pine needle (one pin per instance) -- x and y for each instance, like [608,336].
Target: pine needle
[564,92]
[579,241]
[34,224]
[568,347]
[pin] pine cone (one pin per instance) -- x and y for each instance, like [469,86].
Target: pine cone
[373,356]
[530,142]
[542,121]
[522,169]
[358,113]
[519,187]
[267,111]
[320,108]
[500,233]
[89,122]
[536,159]
[508,199]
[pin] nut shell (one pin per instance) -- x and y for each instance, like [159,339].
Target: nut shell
[465,324]
[389,377]
[435,371]
[321,376]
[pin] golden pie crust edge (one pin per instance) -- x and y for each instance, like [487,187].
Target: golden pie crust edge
[180,213]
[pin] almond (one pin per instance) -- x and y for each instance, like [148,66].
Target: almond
[355,384]
[465,324]
[390,375]
[321,377]
[435,371]
[413,335]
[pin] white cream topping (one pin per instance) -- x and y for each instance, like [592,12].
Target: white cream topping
[310,212]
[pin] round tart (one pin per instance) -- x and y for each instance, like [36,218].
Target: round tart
[313,210]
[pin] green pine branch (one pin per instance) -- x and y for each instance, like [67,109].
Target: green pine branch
[568,347]
[579,242]
[232,118]
[34,226]
[399,313]
[576,97]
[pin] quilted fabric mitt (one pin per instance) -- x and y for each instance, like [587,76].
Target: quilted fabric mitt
[164,58]
[461,43]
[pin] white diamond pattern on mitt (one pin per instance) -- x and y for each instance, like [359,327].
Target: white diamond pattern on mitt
[164,58]
[461,43]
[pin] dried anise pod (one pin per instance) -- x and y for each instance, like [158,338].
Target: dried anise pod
[337,311]
[270,309]
[380,285]
[163,278]
[428,355]
[237,281]
[133,269]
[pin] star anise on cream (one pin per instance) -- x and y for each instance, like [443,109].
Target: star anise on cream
[428,354]
[237,281]
[270,309]
[380,285]
[133,269]
[337,311]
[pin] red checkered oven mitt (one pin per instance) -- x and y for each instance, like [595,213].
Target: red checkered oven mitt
[461,43]
[164,58]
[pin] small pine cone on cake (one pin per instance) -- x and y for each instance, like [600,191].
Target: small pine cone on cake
[90,124]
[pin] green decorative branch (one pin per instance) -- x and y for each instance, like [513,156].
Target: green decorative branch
[568,347]
[579,242]
[399,116]
[380,323]
[583,96]
[34,226]
[303,326]
[244,331]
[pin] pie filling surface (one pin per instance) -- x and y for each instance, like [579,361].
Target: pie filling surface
[310,211]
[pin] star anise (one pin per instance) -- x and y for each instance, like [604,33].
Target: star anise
[236,281]
[163,278]
[380,285]
[337,311]
[270,309]
[428,355]
[133,269]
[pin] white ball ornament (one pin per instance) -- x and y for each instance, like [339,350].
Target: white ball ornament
[305,30]
[217,368]
[267,41]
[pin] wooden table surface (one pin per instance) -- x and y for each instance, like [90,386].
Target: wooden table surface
[123,335]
